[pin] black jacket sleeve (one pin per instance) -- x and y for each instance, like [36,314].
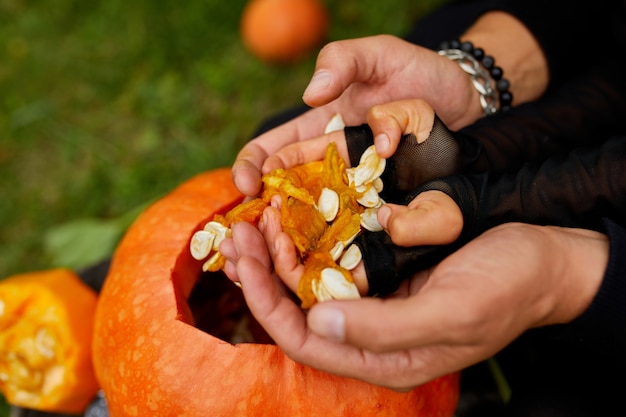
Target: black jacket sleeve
[573,35]
[573,190]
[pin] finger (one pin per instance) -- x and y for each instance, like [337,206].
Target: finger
[229,250]
[248,166]
[432,218]
[230,269]
[342,63]
[302,152]
[391,120]
[283,320]
[384,325]
[248,241]
[282,250]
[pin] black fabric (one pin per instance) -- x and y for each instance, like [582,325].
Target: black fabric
[575,190]
[567,32]
[358,139]
[447,22]
[387,264]
[584,112]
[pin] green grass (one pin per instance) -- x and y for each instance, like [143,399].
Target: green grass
[106,105]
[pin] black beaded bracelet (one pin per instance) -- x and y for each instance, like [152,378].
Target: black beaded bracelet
[487,78]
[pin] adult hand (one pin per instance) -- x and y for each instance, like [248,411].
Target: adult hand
[352,76]
[464,310]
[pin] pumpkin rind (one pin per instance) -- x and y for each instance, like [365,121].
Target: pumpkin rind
[151,360]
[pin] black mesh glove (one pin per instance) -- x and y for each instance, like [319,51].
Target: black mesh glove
[413,163]
[442,154]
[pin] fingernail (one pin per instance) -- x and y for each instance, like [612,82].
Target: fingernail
[327,322]
[383,215]
[320,80]
[382,143]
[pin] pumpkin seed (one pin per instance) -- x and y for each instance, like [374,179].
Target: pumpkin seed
[211,262]
[335,123]
[369,220]
[351,258]
[338,286]
[369,198]
[45,343]
[337,250]
[320,291]
[328,204]
[378,184]
[202,244]
[220,231]
[371,166]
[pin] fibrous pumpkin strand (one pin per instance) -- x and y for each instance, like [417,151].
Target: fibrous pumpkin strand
[324,206]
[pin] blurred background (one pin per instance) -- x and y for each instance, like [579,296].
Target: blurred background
[107,105]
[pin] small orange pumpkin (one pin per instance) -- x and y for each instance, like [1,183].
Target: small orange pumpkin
[152,359]
[46,323]
[283,31]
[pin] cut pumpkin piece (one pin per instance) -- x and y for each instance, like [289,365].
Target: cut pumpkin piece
[46,324]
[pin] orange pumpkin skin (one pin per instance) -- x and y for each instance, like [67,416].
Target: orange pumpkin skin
[283,31]
[46,325]
[151,360]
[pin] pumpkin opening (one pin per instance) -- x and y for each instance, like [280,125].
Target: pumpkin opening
[218,308]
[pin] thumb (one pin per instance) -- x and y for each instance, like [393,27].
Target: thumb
[377,325]
[340,64]
[432,218]
[389,121]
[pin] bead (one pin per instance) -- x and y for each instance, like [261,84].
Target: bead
[496,73]
[488,62]
[502,85]
[467,47]
[506,98]
[478,53]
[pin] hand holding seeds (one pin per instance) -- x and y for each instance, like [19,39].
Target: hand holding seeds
[444,319]
[323,206]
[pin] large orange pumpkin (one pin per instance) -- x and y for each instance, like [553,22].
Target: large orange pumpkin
[283,31]
[152,359]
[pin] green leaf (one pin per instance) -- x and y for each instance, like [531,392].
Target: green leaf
[84,242]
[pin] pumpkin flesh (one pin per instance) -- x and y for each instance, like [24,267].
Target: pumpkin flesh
[150,358]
